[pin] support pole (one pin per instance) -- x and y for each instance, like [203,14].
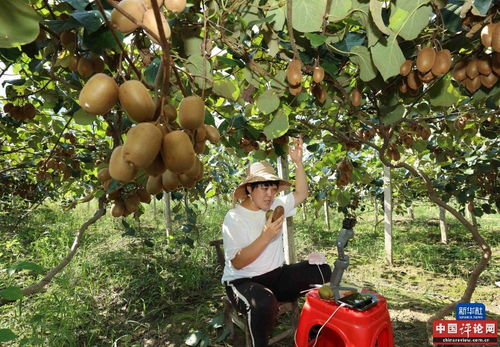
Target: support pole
[288,230]
[168,214]
[388,215]
[443,227]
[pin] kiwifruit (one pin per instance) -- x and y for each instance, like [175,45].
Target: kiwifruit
[191,112]
[201,170]
[442,63]
[175,6]
[121,23]
[459,71]
[143,195]
[68,39]
[118,167]
[199,147]
[85,67]
[170,181]
[114,195]
[483,66]
[118,209]
[73,63]
[157,167]
[488,81]
[103,174]
[148,4]
[403,88]
[318,74]
[425,59]
[136,101]
[169,112]
[7,108]
[212,133]
[132,203]
[295,90]
[142,145]
[28,111]
[495,38]
[495,63]
[472,84]
[186,181]
[277,213]
[153,185]
[426,77]
[294,73]
[192,172]
[99,94]
[405,68]
[321,96]
[486,34]
[97,64]
[149,22]
[177,151]
[356,97]
[413,81]
[471,71]
[200,133]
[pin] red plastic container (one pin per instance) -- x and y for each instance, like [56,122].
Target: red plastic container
[347,328]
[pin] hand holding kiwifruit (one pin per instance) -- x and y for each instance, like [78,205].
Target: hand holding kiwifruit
[277,213]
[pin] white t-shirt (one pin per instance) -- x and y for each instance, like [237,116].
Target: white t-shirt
[241,227]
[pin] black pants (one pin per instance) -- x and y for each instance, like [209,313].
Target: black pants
[258,297]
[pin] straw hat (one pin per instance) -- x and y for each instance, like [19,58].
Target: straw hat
[259,172]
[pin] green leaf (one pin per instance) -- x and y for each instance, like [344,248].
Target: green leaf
[91,20]
[24,265]
[387,57]
[100,40]
[278,126]
[83,118]
[360,55]
[279,17]
[407,21]
[19,23]
[444,93]
[482,6]
[307,15]
[267,102]
[392,114]
[339,10]
[11,293]
[226,89]
[59,25]
[192,45]
[200,67]
[376,14]
[152,71]
[78,4]
[316,39]
[7,335]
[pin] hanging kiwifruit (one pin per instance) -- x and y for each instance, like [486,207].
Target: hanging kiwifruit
[28,111]
[121,23]
[97,64]
[294,72]
[153,185]
[169,112]
[295,90]
[186,181]
[149,21]
[472,84]
[169,181]
[85,67]
[442,63]
[406,67]
[149,5]
[67,39]
[459,71]
[413,81]
[118,209]
[495,38]
[191,112]
[356,97]
[486,34]
[200,134]
[425,59]
[212,133]
[483,66]
[143,195]
[132,203]
[495,63]
[73,63]
[103,174]
[142,145]
[175,6]
[118,167]
[136,101]
[318,74]
[403,88]
[192,172]
[489,80]
[177,151]
[426,77]
[199,147]
[99,94]
[471,71]
[157,167]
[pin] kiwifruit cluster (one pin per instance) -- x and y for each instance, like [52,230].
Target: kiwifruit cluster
[166,151]
[366,134]
[429,64]
[490,36]
[143,14]
[62,164]
[294,76]
[351,143]
[393,152]
[85,66]
[248,145]
[482,70]
[344,170]
[356,97]
[461,121]
[25,112]
[317,90]
[420,130]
